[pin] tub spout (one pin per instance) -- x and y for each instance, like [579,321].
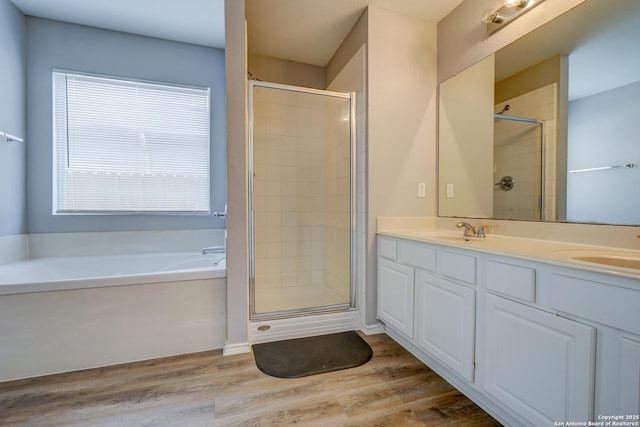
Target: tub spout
[213,250]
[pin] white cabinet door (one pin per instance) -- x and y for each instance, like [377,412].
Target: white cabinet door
[395,296]
[629,377]
[445,319]
[538,364]
[617,373]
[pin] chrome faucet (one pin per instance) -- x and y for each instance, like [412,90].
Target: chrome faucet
[470,231]
[213,250]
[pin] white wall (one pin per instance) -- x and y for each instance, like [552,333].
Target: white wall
[603,131]
[401,123]
[13,214]
[237,179]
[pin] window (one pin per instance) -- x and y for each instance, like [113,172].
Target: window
[123,146]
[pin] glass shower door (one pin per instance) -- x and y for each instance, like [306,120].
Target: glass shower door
[518,168]
[301,200]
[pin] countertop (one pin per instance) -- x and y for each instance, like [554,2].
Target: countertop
[562,254]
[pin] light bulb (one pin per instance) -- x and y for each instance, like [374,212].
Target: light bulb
[516,3]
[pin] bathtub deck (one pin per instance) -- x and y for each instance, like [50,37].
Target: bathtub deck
[205,389]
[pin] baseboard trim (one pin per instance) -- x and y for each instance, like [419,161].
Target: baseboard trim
[375,329]
[233,349]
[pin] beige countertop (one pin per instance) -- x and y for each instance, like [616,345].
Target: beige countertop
[608,260]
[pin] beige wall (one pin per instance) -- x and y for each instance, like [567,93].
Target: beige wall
[466,142]
[463,40]
[402,121]
[276,70]
[542,74]
[237,176]
[348,48]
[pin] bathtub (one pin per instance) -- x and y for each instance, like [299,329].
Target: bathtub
[62,312]
[82,272]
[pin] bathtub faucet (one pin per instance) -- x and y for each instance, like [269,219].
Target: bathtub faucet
[213,250]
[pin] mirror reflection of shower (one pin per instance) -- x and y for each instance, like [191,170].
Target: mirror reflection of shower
[526,149]
[301,201]
[518,167]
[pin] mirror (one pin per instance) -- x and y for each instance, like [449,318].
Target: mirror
[547,128]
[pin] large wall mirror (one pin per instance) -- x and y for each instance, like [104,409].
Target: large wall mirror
[548,128]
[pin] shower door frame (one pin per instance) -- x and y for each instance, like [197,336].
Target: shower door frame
[351,96]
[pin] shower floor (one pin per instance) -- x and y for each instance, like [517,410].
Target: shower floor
[295,298]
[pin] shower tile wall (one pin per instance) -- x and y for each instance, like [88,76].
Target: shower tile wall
[298,193]
[522,160]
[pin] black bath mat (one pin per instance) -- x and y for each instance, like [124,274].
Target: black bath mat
[301,357]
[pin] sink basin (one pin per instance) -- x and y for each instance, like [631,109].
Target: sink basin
[612,261]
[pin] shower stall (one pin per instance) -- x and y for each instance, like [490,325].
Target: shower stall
[518,167]
[302,204]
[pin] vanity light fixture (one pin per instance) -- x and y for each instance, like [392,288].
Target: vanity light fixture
[507,12]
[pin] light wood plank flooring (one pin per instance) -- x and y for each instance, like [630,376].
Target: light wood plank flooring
[206,389]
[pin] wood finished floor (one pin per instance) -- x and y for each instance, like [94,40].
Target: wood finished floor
[206,389]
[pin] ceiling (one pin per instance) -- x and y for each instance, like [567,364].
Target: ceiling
[198,22]
[310,31]
[307,31]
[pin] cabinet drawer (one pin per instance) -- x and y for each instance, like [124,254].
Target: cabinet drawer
[512,280]
[417,255]
[387,248]
[600,302]
[459,266]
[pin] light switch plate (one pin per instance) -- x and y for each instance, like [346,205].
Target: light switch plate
[422,189]
[450,191]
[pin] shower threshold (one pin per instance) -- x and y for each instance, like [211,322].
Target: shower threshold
[287,301]
[304,324]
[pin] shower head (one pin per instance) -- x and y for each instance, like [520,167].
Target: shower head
[252,76]
[506,108]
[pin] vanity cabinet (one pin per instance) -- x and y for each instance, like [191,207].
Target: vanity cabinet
[536,363]
[613,306]
[532,342]
[427,294]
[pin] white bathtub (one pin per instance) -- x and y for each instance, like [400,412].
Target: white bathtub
[120,302]
[81,272]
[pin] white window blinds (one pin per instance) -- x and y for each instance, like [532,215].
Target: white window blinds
[129,146]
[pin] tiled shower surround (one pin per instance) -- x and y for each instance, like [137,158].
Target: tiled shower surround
[301,160]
